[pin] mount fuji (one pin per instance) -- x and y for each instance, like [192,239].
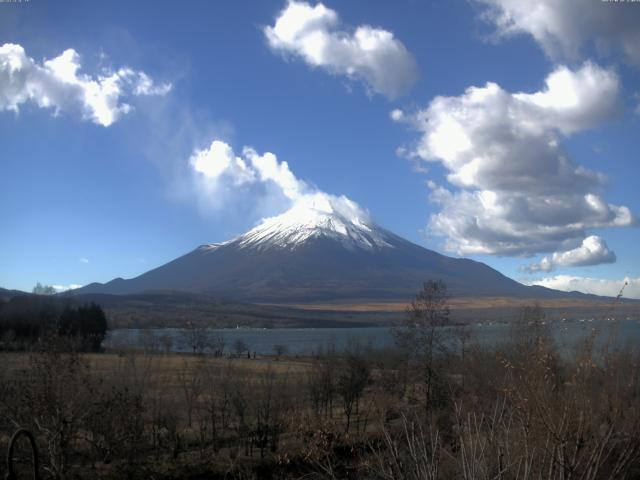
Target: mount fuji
[325,248]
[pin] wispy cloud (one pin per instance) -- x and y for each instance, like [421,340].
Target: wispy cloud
[371,55]
[84,260]
[58,85]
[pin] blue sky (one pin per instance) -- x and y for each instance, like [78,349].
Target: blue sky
[92,191]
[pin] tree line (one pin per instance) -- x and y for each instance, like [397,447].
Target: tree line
[26,320]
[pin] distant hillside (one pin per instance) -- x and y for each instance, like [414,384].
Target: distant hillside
[4,293]
[179,309]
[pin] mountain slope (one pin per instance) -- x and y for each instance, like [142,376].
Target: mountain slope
[6,294]
[322,249]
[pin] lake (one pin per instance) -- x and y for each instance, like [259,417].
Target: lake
[305,341]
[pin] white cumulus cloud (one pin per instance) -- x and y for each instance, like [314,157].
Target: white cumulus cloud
[595,286]
[593,251]
[57,84]
[516,190]
[563,28]
[371,55]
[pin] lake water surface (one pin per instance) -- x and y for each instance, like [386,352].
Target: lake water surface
[304,341]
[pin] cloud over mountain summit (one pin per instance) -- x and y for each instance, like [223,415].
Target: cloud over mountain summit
[222,177]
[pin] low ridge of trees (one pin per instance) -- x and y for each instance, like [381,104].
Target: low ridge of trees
[41,289]
[28,319]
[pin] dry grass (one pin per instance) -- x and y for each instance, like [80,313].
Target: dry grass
[105,365]
[486,303]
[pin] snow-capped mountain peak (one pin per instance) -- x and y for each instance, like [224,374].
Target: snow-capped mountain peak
[325,248]
[318,215]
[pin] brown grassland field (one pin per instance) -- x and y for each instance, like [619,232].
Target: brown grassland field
[474,309]
[425,409]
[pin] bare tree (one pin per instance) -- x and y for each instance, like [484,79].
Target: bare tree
[280,350]
[166,341]
[240,398]
[240,346]
[196,338]
[321,382]
[53,397]
[117,429]
[420,334]
[216,404]
[217,344]
[191,385]
[354,376]
[150,341]
[270,403]
[463,336]
[529,329]
[409,453]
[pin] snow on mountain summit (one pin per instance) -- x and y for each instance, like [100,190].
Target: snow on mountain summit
[324,248]
[317,215]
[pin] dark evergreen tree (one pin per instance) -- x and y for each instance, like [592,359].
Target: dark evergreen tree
[25,319]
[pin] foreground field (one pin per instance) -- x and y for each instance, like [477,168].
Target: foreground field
[418,411]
